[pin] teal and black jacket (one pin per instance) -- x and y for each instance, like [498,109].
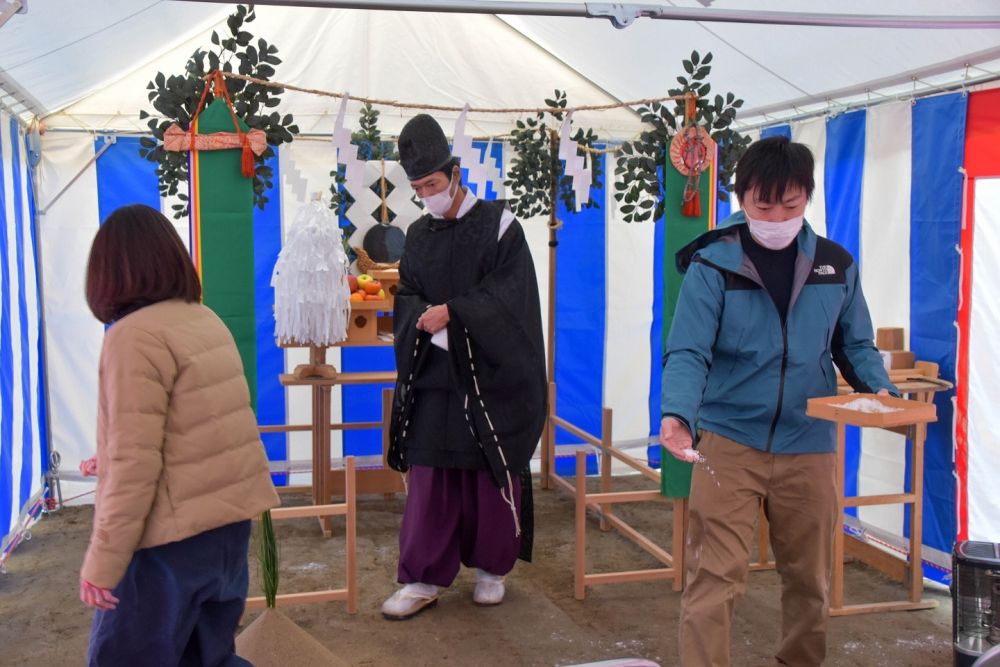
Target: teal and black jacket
[734,368]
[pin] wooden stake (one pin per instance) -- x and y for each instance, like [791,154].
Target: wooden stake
[837,583]
[549,441]
[325,394]
[351,536]
[580,563]
[606,445]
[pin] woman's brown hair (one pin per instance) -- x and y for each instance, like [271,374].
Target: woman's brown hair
[137,259]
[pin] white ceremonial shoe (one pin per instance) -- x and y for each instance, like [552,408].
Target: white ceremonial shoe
[489,589]
[409,601]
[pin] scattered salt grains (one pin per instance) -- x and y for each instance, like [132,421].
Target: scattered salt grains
[869,405]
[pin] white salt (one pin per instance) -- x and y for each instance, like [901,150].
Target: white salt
[869,405]
[693,455]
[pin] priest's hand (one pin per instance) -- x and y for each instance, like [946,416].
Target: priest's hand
[676,438]
[434,319]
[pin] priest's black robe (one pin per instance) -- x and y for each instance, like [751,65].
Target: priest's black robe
[481,403]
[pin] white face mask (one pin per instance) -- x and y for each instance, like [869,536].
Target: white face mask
[774,235]
[440,203]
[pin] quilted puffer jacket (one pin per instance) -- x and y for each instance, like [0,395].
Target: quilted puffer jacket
[178,450]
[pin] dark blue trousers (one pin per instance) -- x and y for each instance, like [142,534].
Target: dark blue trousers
[180,604]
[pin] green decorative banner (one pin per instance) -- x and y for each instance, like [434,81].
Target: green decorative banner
[679,230]
[222,236]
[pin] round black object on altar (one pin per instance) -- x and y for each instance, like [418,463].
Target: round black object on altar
[423,148]
[384,243]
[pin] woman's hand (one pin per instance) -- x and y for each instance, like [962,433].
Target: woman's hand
[97,597]
[88,468]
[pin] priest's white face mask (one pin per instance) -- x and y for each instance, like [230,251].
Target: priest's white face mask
[775,224]
[437,202]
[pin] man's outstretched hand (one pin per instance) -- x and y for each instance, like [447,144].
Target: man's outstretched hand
[676,438]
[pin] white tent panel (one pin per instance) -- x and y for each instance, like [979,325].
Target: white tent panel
[73,337]
[984,373]
[62,51]
[444,59]
[885,280]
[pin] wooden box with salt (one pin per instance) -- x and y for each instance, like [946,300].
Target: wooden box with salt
[871,410]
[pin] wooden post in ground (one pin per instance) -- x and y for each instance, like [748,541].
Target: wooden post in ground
[916,513]
[837,582]
[325,395]
[580,562]
[351,541]
[549,440]
[606,444]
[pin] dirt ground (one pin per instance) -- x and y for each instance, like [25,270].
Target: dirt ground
[43,623]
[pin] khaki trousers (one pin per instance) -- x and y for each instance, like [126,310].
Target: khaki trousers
[798,492]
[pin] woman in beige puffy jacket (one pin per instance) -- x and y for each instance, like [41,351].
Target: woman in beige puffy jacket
[181,469]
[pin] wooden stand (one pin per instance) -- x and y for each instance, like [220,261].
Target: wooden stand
[602,504]
[348,509]
[910,421]
[329,480]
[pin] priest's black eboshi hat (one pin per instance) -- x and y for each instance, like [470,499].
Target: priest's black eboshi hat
[423,148]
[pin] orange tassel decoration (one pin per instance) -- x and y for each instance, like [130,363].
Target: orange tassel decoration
[220,140]
[692,206]
[248,164]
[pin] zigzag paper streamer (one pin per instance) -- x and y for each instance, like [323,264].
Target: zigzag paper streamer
[463,149]
[494,172]
[568,153]
[309,280]
[347,153]
[366,210]
[400,200]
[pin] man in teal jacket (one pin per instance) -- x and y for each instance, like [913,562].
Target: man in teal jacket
[765,310]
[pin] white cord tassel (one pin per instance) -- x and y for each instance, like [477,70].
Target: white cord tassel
[311,295]
[489,422]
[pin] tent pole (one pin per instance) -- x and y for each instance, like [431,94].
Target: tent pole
[548,466]
[553,243]
[622,15]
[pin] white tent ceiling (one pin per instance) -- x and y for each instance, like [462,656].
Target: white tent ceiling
[85,64]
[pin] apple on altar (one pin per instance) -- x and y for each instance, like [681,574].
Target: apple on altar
[352,282]
[372,287]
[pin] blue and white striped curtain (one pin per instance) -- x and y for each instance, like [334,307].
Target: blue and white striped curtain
[23,457]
